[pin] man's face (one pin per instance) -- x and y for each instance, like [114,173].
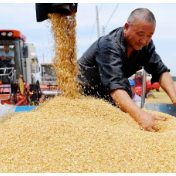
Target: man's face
[6,48]
[138,35]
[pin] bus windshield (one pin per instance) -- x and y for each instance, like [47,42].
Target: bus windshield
[10,55]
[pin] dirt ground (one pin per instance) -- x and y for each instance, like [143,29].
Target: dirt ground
[160,97]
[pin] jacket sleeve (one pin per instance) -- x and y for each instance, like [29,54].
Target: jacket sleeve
[153,64]
[110,68]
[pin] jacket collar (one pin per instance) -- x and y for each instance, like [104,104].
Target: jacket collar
[118,35]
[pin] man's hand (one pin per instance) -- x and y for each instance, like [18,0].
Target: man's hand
[147,121]
[144,119]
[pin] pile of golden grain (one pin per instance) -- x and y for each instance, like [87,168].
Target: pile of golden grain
[72,133]
[84,135]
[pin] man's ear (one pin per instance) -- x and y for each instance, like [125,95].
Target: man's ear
[126,27]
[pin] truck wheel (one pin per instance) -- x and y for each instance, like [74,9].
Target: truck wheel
[38,89]
[150,95]
[157,90]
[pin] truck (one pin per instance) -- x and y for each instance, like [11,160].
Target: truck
[138,81]
[48,83]
[18,84]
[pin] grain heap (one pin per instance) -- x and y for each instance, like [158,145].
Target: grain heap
[72,133]
[84,135]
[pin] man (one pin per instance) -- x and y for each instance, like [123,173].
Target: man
[7,57]
[136,98]
[107,64]
[6,60]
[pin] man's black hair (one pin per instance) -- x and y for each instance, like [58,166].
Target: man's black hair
[141,14]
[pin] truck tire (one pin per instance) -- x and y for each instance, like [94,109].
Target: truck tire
[150,95]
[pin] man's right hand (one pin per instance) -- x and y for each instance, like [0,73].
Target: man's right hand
[147,121]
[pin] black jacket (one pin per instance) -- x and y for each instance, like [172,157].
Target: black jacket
[105,64]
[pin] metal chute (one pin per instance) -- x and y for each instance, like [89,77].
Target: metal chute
[160,107]
[43,9]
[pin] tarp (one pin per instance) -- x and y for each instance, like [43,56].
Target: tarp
[24,108]
[6,108]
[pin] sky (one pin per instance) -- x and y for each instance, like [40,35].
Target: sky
[22,17]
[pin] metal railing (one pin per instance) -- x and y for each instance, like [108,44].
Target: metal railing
[11,74]
[48,79]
